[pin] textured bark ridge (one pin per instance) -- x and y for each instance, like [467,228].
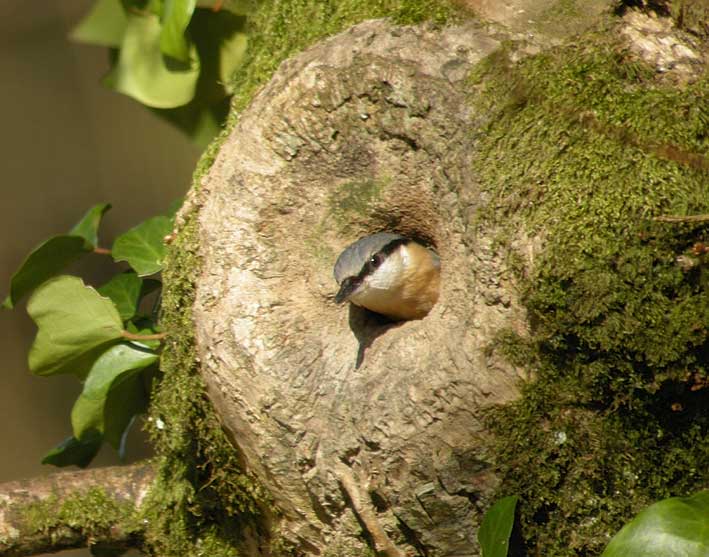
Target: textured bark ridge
[354,424]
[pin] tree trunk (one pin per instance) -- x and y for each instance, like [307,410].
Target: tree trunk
[354,424]
[366,434]
[350,421]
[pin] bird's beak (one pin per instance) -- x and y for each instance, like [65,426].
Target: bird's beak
[347,287]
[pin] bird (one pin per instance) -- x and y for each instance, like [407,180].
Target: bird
[389,274]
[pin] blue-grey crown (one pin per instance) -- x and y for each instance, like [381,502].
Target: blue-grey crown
[352,259]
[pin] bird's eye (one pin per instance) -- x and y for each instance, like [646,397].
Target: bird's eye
[376,260]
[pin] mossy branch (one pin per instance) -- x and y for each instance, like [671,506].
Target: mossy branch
[74,509]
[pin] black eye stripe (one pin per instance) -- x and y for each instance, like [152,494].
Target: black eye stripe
[378,258]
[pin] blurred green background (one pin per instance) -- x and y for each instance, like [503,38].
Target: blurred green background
[67,144]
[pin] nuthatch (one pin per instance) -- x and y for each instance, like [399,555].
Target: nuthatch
[389,274]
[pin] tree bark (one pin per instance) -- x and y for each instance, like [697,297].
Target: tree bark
[19,535]
[365,433]
[349,421]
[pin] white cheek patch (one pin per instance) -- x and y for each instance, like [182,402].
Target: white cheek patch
[387,275]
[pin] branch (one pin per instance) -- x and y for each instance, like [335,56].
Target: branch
[73,509]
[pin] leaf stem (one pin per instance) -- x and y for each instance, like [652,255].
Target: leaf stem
[677,218]
[132,336]
[102,251]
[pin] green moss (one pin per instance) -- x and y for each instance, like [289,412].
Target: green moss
[94,515]
[202,500]
[584,147]
[281,28]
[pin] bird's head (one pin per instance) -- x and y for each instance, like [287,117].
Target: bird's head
[388,274]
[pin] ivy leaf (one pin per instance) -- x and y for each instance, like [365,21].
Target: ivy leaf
[104,25]
[45,261]
[87,227]
[53,255]
[143,246]
[176,18]
[220,39]
[71,451]
[73,320]
[108,381]
[128,399]
[674,526]
[496,528]
[141,71]
[125,291]
[232,52]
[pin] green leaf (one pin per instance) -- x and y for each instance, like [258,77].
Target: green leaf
[143,246]
[45,261]
[675,526]
[104,25]
[124,290]
[128,399]
[87,227]
[496,527]
[141,71]
[176,18]
[220,41]
[52,256]
[74,452]
[73,321]
[231,55]
[104,384]
[152,6]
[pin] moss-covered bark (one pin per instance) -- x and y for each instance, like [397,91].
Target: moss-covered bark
[98,507]
[202,503]
[584,147]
